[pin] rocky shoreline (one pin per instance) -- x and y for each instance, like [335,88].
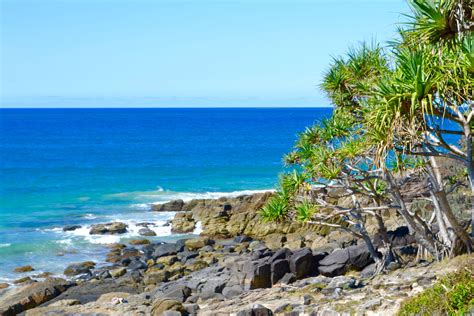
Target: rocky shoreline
[239,265]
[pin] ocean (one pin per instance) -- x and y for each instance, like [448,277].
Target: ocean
[84,166]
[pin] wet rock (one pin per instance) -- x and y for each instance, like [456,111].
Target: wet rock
[108,229]
[23,269]
[43,275]
[68,228]
[173,206]
[4,286]
[79,268]
[146,232]
[23,280]
[137,242]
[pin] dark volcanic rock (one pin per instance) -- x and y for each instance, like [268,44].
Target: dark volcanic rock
[176,292]
[242,238]
[288,278]
[302,263]
[166,250]
[258,274]
[90,291]
[79,268]
[342,260]
[283,253]
[279,268]
[173,206]
[71,227]
[256,310]
[108,229]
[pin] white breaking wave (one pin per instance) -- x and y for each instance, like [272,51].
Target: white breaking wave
[5,245]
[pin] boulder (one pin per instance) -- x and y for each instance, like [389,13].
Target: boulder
[212,287]
[23,280]
[161,305]
[79,268]
[256,310]
[288,278]
[191,309]
[167,250]
[176,292]
[108,229]
[116,273]
[197,243]
[68,228]
[302,263]
[173,206]
[242,238]
[258,274]
[279,268]
[146,232]
[340,261]
[183,223]
[283,253]
[138,242]
[23,269]
[232,291]
[29,296]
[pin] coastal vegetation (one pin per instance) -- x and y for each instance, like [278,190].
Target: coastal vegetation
[399,112]
[452,295]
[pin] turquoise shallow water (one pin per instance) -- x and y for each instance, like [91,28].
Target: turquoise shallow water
[84,166]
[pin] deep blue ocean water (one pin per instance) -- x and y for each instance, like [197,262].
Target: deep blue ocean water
[85,166]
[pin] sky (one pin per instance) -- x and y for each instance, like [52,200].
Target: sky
[152,53]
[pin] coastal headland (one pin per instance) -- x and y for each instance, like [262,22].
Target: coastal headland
[239,265]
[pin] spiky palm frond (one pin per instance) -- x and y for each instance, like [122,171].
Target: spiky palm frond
[305,211]
[275,209]
[433,21]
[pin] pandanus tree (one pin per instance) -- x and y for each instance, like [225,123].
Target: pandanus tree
[333,157]
[424,105]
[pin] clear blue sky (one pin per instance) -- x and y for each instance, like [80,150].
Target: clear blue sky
[179,53]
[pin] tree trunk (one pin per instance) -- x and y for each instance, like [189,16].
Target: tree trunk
[423,237]
[439,195]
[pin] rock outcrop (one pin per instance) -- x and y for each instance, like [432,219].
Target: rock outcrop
[108,229]
[28,296]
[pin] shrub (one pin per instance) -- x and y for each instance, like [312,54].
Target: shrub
[451,295]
